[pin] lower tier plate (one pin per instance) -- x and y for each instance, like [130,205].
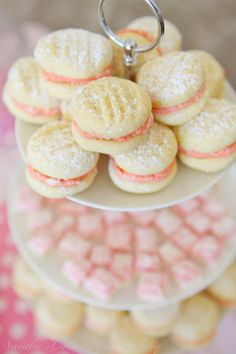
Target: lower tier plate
[103,194]
[49,266]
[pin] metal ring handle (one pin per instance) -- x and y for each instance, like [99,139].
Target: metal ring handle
[160,23]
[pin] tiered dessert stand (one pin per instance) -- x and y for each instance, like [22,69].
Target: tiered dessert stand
[188,184]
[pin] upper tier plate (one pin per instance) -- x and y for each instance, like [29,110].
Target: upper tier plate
[103,194]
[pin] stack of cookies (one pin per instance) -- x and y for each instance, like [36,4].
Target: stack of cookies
[175,107]
[190,324]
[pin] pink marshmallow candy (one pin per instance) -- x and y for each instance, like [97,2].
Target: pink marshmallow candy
[147,239]
[44,218]
[170,253]
[62,225]
[152,286]
[73,245]
[40,244]
[114,217]
[76,271]
[199,222]
[122,265]
[119,237]
[91,225]
[147,262]
[187,207]
[101,256]
[214,209]
[145,218]
[207,250]
[102,284]
[185,273]
[168,222]
[224,229]
[185,238]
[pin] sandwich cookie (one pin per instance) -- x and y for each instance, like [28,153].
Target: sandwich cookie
[215,73]
[176,83]
[197,322]
[172,39]
[70,58]
[57,166]
[25,282]
[223,290]
[111,116]
[101,321]
[58,319]
[156,323]
[128,339]
[24,94]
[150,167]
[208,142]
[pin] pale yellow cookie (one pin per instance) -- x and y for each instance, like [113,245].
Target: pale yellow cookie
[70,58]
[110,115]
[101,321]
[197,322]
[224,289]
[128,339]
[25,282]
[172,39]
[156,323]
[215,74]
[208,142]
[57,319]
[25,96]
[176,83]
[57,165]
[151,166]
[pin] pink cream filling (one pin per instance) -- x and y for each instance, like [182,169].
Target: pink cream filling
[141,33]
[66,80]
[57,182]
[225,152]
[33,111]
[140,131]
[157,177]
[173,109]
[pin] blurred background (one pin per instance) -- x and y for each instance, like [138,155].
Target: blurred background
[205,24]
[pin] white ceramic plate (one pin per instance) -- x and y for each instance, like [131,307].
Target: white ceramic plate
[126,298]
[103,194]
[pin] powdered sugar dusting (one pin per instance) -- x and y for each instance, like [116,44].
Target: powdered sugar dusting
[25,81]
[156,152]
[217,120]
[116,107]
[52,148]
[75,48]
[172,77]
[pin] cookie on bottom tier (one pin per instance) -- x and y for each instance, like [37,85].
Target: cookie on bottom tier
[197,322]
[57,319]
[101,321]
[127,339]
[58,167]
[156,323]
[223,290]
[25,282]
